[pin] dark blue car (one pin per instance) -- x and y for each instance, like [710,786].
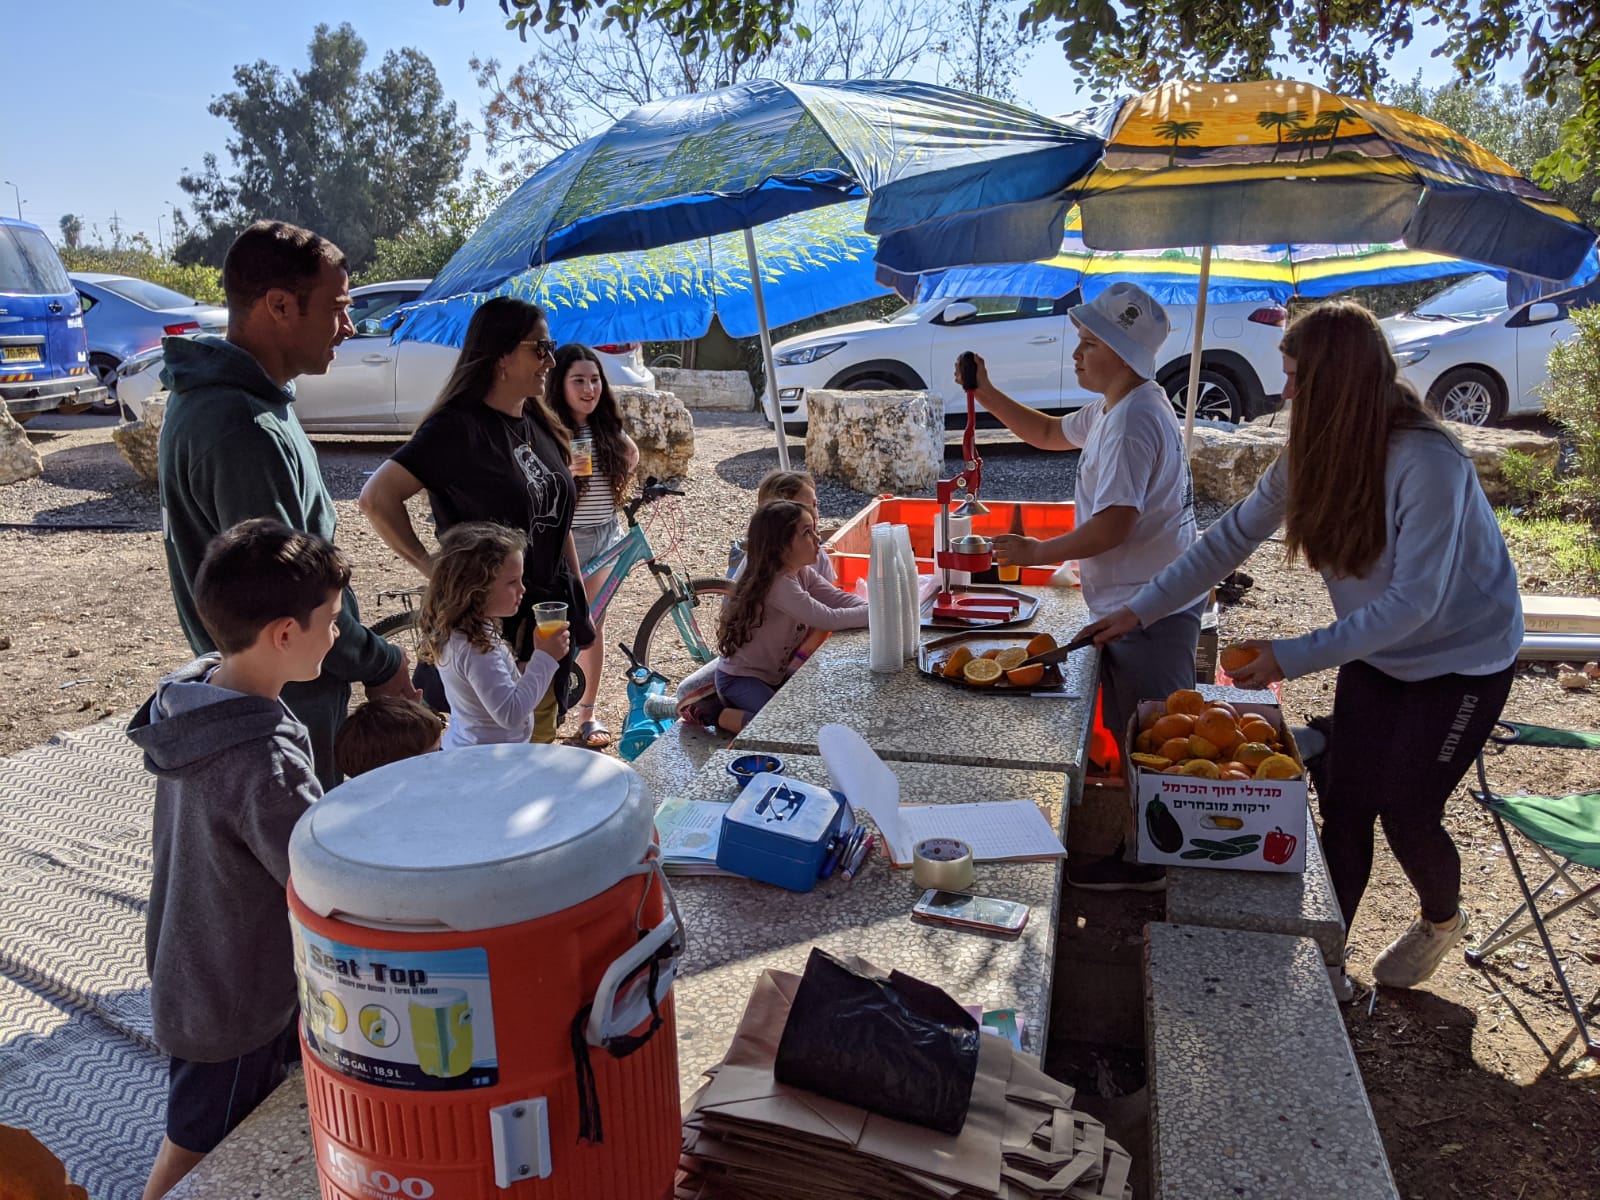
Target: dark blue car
[44,355]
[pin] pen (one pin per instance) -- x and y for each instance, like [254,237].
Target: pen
[832,859]
[844,849]
[859,859]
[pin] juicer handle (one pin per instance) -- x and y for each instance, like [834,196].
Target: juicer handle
[619,1009]
[967,365]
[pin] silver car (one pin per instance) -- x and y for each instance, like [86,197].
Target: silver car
[123,316]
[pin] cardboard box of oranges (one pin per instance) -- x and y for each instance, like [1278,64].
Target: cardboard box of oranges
[1216,784]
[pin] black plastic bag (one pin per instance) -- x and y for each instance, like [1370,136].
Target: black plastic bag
[897,1046]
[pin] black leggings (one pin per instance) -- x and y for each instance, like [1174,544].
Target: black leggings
[1395,753]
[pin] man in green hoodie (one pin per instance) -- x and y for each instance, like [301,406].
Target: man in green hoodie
[232,449]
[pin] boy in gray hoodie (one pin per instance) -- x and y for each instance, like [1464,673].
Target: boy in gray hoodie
[234,773]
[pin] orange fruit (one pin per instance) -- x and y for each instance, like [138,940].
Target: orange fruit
[1149,720]
[1174,748]
[1011,656]
[1042,644]
[1224,706]
[1278,766]
[1217,727]
[953,664]
[1151,762]
[991,654]
[1252,754]
[984,672]
[1204,768]
[1025,676]
[1236,656]
[1174,725]
[1147,742]
[1186,700]
[1234,771]
[1200,747]
[1257,730]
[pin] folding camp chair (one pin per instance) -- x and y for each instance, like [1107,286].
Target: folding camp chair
[1564,830]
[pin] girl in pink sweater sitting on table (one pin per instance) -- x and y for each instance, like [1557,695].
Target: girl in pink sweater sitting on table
[778,600]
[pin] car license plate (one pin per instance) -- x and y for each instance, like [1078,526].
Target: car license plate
[20,354]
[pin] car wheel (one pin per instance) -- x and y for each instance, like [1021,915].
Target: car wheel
[873,383]
[105,370]
[1468,395]
[1220,399]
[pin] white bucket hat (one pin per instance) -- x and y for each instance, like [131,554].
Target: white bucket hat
[1128,319]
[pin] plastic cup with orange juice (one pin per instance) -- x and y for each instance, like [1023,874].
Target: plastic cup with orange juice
[550,617]
[1012,572]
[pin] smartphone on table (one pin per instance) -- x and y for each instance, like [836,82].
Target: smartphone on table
[972,912]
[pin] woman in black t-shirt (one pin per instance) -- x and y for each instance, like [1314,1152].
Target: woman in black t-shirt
[490,449]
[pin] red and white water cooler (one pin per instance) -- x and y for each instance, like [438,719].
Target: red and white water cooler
[486,947]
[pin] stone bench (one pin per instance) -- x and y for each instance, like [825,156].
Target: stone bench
[663,429]
[1254,1090]
[876,442]
[726,391]
[1302,905]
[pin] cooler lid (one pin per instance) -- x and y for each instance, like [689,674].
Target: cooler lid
[472,839]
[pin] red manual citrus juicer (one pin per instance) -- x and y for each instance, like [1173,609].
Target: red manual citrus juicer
[972,554]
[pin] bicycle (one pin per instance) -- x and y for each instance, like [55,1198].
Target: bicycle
[682,597]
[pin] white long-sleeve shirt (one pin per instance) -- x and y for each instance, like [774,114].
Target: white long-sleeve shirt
[491,700]
[1441,599]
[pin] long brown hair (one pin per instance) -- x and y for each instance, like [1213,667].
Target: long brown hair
[496,330]
[470,555]
[1349,399]
[605,422]
[766,542]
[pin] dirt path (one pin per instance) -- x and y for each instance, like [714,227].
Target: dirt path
[1474,1079]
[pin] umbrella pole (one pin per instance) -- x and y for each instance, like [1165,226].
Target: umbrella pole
[766,347]
[1193,401]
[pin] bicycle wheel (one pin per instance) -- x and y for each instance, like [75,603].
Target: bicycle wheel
[660,645]
[399,628]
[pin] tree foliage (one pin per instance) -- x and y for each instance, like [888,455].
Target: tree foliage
[572,87]
[984,44]
[421,250]
[1123,43]
[141,261]
[71,230]
[356,155]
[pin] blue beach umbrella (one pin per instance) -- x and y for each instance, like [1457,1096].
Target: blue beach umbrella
[729,161]
[810,262]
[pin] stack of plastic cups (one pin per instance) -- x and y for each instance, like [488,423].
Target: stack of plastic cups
[910,600]
[885,607]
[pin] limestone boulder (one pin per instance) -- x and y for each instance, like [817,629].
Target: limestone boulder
[1488,450]
[876,441]
[727,391]
[663,429]
[18,459]
[1227,463]
[140,441]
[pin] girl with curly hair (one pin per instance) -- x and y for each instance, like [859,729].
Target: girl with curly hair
[476,583]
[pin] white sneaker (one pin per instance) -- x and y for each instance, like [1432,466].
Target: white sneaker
[1416,953]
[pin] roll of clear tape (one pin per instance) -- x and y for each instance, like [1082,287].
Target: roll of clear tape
[942,863]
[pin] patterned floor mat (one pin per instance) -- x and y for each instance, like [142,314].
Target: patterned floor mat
[77,1064]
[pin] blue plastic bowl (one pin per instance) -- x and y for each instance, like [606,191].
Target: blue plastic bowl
[747,766]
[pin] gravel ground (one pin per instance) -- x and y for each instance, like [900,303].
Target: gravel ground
[1472,1078]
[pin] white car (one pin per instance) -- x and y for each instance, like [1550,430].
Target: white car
[372,385]
[1475,359]
[1027,343]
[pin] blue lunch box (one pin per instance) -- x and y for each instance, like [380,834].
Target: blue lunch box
[778,831]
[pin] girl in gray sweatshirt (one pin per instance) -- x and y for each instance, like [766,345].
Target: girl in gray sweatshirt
[1382,501]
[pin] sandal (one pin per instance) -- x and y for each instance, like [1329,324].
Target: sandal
[593,735]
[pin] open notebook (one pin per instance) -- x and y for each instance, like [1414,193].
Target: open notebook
[995,829]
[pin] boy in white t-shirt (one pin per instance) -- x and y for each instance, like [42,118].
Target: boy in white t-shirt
[1134,497]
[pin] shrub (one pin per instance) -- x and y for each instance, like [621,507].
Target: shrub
[1571,395]
[203,283]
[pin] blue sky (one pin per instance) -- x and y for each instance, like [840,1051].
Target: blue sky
[126,84]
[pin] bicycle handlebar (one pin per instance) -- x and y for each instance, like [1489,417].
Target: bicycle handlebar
[650,491]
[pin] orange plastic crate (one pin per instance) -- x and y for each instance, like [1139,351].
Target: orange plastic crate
[851,546]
